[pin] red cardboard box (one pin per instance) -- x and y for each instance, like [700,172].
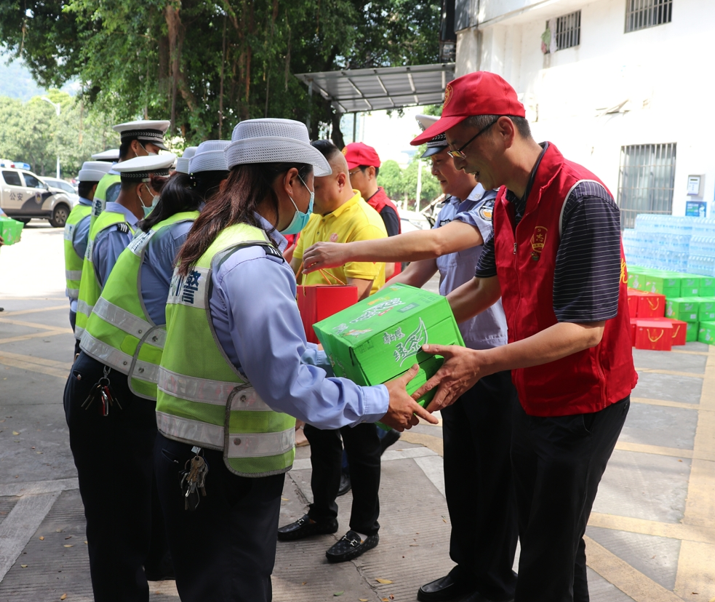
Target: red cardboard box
[651,305]
[633,296]
[654,334]
[319,301]
[679,329]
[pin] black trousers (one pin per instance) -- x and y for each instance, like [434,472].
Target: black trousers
[113,455]
[226,548]
[558,463]
[362,446]
[479,486]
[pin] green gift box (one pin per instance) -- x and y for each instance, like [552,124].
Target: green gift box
[706,310]
[690,287]
[10,230]
[706,333]
[691,334]
[662,283]
[684,308]
[707,286]
[381,337]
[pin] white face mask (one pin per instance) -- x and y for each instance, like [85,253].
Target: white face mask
[146,151]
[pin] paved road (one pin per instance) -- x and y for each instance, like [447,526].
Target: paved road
[651,537]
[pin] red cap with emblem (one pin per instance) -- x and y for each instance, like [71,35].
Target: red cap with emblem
[478,93]
[357,153]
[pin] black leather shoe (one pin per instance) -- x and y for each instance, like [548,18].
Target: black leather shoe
[390,438]
[350,546]
[345,483]
[304,527]
[444,589]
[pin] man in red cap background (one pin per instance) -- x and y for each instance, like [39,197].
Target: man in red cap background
[364,165]
[557,263]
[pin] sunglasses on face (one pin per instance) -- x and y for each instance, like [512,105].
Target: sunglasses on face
[458,154]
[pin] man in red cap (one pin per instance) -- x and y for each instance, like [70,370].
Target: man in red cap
[557,263]
[364,165]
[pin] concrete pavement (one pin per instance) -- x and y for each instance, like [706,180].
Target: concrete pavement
[651,536]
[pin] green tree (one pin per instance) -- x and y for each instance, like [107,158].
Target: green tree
[207,64]
[430,186]
[390,178]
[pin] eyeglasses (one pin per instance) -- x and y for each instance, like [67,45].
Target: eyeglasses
[353,172]
[458,154]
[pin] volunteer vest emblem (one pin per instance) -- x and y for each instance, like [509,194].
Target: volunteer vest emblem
[412,344]
[538,240]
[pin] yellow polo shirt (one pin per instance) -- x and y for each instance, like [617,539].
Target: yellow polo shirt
[355,220]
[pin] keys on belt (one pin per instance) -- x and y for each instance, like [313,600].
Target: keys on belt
[193,479]
[102,392]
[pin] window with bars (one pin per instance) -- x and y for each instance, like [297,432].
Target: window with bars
[645,181]
[641,14]
[565,31]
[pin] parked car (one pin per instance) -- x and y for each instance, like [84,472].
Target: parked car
[66,187]
[24,196]
[412,220]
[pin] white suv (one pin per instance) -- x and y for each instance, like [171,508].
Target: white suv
[24,195]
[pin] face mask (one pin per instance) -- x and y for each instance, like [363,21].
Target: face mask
[146,151]
[148,210]
[300,219]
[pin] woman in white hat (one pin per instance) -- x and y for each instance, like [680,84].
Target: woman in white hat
[236,368]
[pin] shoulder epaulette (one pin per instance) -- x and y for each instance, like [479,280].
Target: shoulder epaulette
[123,227]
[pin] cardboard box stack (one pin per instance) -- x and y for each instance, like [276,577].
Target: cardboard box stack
[689,304]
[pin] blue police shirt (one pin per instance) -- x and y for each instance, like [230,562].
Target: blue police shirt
[110,242]
[158,267]
[256,320]
[488,329]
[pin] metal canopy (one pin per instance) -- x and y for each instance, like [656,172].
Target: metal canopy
[359,90]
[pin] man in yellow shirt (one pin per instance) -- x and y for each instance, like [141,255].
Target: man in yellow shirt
[341,215]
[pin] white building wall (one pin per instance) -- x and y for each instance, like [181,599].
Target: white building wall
[664,73]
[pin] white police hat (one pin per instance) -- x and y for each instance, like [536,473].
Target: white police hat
[274,141]
[210,156]
[93,171]
[109,155]
[140,168]
[144,131]
[182,163]
[438,143]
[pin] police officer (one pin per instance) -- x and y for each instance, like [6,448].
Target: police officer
[556,260]
[111,392]
[77,231]
[182,163]
[138,139]
[477,428]
[235,359]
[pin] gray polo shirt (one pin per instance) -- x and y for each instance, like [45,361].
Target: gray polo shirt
[488,329]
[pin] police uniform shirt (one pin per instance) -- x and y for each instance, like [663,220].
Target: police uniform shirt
[110,243]
[158,267]
[488,329]
[80,235]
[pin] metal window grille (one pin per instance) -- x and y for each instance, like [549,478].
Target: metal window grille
[641,14]
[568,30]
[645,181]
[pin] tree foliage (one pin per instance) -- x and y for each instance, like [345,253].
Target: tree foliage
[207,64]
[401,184]
[32,132]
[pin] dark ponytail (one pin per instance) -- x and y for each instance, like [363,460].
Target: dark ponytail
[245,189]
[208,183]
[176,196]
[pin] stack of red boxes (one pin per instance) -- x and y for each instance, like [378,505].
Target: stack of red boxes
[650,329]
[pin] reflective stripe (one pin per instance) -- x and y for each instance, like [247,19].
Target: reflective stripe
[214,392]
[78,330]
[73,274]
[128,322]
[240,445]
[69,231]
[190,290]
[73,293]
[141,241]
[118,360]
[84,307]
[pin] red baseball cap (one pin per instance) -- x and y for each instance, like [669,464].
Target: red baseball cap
[358,153]
[478,93]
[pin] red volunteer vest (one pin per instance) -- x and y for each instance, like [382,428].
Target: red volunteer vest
[587,381]
[378,202]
